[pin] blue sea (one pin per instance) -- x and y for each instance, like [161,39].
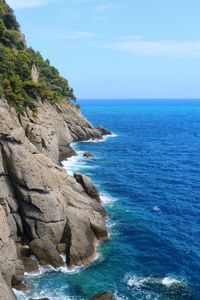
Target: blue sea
[148,173]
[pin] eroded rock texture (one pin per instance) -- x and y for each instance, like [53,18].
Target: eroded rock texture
[41,206]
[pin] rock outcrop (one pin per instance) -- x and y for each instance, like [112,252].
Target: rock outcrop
[88,155]
[42,208]
[104,296]
[88,186]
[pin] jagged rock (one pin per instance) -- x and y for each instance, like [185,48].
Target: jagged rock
[38,196]
[46,252]
[30,265]
[62,248]
[34,73]
[10,267]
[6,292]
[88,186]
[19,274]
[103,131]
[81,236]
[22,250]
[88,155]
[40,204]
[80,240]
[104,296]
[54,127]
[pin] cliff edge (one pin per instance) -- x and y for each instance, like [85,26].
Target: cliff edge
[43,211]
[42,208]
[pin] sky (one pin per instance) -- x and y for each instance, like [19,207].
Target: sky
[118,48]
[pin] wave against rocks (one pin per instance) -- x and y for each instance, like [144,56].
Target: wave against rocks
[161,287]
[43,208]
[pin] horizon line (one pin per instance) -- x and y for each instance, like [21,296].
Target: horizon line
[85,98]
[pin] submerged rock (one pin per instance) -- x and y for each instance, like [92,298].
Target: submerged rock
[104,296]
[40,299]
[167,287]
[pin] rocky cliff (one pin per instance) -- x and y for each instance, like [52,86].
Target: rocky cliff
[43,210]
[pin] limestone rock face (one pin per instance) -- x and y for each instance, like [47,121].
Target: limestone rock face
[41,206]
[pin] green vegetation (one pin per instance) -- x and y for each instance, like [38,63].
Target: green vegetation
[17,84]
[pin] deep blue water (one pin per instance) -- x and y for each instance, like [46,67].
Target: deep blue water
[150,176]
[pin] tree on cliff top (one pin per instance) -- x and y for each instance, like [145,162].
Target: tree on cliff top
[17,63]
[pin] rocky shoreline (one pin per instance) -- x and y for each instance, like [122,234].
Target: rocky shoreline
[44,211]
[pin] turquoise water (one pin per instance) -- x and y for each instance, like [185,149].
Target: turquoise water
[148,174]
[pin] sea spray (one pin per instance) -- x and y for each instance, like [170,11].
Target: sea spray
[105,137]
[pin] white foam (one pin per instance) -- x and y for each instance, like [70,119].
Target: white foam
[156,208]
[76,163]
[64,269]
[19,294]
[119,297]
[168,281]
[107,199]
[136,282]
[58,293]
[105,137]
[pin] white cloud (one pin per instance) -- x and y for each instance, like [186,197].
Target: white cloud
[79,35]
[157,48]
[103,7]
[64,36]
[130,37]
[26,3]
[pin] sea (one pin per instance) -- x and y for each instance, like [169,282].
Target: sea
[148,174]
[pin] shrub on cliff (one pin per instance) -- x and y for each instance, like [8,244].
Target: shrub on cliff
[17,84]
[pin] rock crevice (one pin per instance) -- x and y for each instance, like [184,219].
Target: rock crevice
[41,206]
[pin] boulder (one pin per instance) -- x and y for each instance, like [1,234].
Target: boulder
[82,233]
[80,239]
[46,252]
[104,296]
[30,265]
[40,299]
[19,274]
[103,131]
[88,186]
[88,155]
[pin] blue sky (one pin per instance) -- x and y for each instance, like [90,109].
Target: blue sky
[118,48]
